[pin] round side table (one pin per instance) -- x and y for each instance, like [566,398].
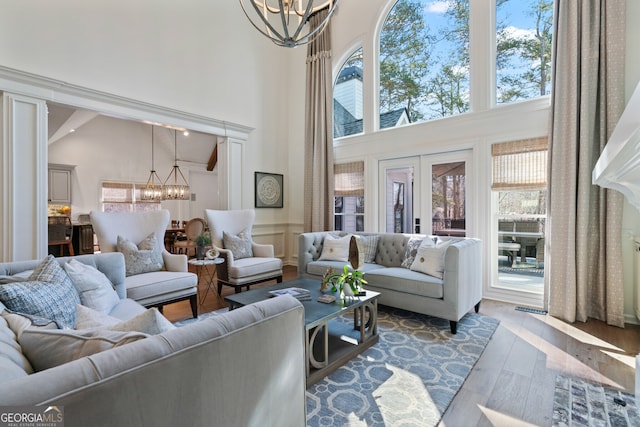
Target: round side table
[204,264]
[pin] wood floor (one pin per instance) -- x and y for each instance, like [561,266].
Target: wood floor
[513,382]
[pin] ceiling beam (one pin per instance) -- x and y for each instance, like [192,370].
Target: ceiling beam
[213,159]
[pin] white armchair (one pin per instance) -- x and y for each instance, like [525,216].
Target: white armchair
[244,272]
[156,288]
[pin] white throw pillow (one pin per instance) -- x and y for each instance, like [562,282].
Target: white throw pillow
[150,321]
[47,348]
[335,249]
[430,259]
[95,289]
[87,318]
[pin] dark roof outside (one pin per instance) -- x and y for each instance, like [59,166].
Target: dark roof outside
[390,118]
[345,124]
[349,73]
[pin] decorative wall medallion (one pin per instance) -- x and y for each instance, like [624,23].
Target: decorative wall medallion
[268,190]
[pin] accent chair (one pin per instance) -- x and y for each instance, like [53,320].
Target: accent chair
[246,262]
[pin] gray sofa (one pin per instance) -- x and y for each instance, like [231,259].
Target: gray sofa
[449,298]
[238,368]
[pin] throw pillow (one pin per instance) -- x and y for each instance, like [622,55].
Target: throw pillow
[49,348]
[150,321]
[335,249]
[18,322]
[88,318]
[430,259]
[94,288]
[370,246]
[356,252]
[19,277]
[240,245]
[48,293]
[142,258]
[410,252]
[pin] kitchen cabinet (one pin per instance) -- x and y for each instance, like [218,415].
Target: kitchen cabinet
[60,184]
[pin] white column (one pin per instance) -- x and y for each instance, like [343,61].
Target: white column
[230,175]
[23,189]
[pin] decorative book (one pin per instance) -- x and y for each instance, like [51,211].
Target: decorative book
[299,293]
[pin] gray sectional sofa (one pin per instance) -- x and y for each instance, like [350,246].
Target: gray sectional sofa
[233,369]
[449,298]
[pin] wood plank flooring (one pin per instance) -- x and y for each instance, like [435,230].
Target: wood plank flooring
[513,382]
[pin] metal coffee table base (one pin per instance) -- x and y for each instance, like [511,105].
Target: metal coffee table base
[332,343]
[331,340]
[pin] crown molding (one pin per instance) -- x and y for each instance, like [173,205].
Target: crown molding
[48,89]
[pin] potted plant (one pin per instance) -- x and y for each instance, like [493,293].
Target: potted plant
[348,283]
[202,241]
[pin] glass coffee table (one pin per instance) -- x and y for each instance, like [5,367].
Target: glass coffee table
[330,342]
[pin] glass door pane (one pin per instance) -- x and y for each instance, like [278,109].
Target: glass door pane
[448,199]
[398,195]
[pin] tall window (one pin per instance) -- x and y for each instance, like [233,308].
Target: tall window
[349,196]
[347,97]
[519,177]
[424,61]
[125,197]
[523,49]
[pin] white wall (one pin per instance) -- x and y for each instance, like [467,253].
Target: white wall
[110,149]
[197,56]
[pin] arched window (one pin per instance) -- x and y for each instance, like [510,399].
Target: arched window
[347,97]
[424,61]
[523,49]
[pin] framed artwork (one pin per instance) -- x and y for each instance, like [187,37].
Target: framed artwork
[268,190]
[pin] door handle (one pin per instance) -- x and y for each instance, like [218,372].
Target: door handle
[417,226]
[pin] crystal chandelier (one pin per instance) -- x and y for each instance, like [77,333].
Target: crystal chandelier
[175,186]
[283,21]
[153,190]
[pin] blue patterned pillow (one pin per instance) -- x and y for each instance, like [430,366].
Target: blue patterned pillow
[48,293]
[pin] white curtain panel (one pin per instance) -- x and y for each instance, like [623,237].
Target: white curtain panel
[584,272]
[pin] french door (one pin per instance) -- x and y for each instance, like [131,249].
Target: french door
[425,194]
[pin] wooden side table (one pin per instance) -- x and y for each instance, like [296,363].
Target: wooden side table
[210,276]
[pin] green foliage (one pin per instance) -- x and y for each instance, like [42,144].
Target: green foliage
[204,239]
[353,278]
[431,85]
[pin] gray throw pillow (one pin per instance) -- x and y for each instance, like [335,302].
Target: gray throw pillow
[141,258]
[240,245]
[48,293]
[49,348]
[370,246]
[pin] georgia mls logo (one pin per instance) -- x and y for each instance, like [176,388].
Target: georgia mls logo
[32,416]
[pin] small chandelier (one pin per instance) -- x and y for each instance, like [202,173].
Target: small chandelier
[153,190]
[175,186]
[284,20]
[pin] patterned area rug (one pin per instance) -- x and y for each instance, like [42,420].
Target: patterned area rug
[577,402]
[408,378]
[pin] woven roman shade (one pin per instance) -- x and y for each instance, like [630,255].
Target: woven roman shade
[520,165]
[349,179]
[117,192]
